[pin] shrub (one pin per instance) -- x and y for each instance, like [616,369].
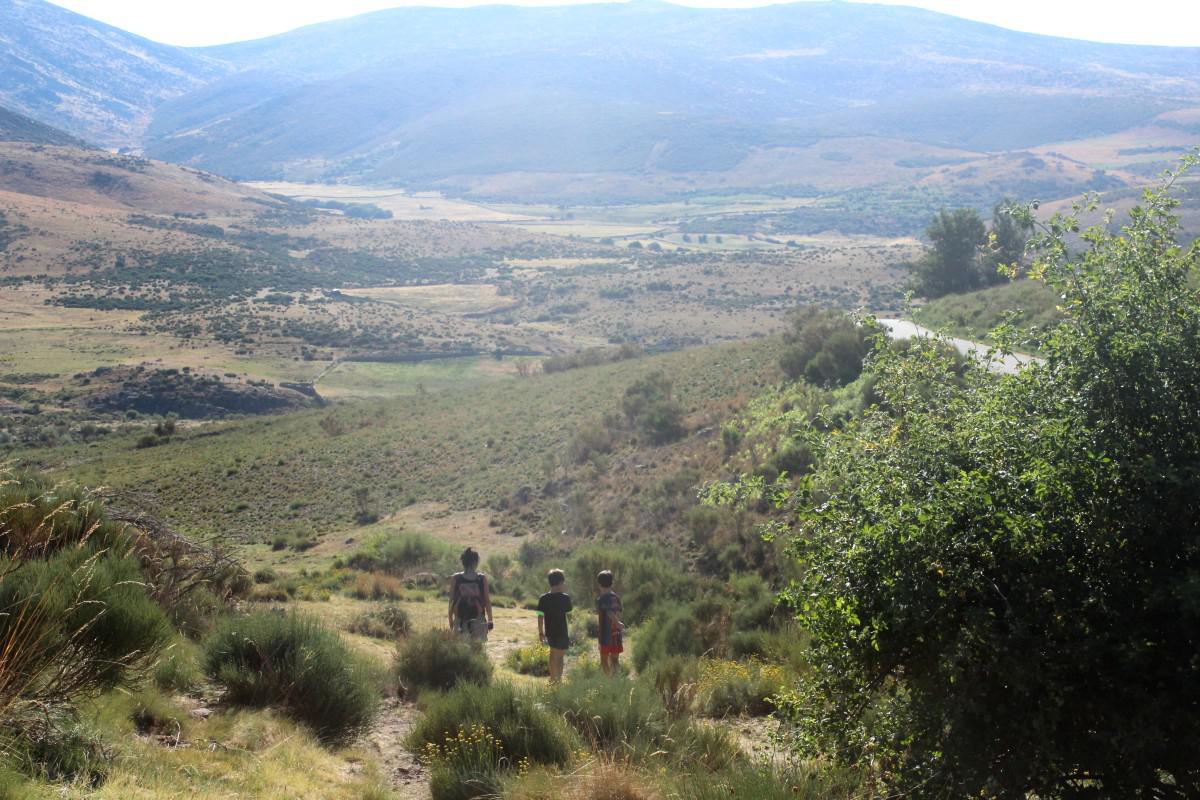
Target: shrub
[643,578]
[401,553]
[522,727]
[269,593]
[672,633]
[736,687]
[675,680]
[650,409]
[628,721]
[466,766]
[824,347]
[388,621]
[151,713]
[83,614]
[57,752]
[532,659]
[177,670]
[767,782]
[600,782]
[376,586]
[590,439]
[440,660]
[265,575]
[1001,569]
[294,662]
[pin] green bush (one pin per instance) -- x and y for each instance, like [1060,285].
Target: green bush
[58,753]
[265,575]
[296,663]
[177,670]
[523,728]
[695,629]
[532,659]
[642,579]
[627,721]
[824,347]
[1001,571]
[388,621]
[466,766]
[765,782]
[675,679]
[152,713]
[440,660]
[651,410]
[89,605]
[401,553]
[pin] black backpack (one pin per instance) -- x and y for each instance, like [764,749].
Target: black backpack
[469,592]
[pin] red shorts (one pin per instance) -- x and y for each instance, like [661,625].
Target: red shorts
[611,649]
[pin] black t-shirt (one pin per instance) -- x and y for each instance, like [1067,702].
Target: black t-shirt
[554,607]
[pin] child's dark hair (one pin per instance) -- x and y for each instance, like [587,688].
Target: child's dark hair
[556,577]
[469,558]
[605,578]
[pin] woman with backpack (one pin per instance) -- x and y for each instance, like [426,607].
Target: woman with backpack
[470,599]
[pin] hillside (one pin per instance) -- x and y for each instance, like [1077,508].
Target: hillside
[651,90]
[16,127]
[90,79]
[303,468]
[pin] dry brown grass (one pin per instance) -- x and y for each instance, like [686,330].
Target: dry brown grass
[376,586]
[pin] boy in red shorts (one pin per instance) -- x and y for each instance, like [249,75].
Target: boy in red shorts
[608,606]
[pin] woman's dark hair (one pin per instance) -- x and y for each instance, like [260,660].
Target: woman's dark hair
[469,558]
[605,579]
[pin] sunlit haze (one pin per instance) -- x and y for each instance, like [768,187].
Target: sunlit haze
[1157,22]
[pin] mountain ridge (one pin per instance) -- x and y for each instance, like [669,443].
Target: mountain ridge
[679,99]
[92,80]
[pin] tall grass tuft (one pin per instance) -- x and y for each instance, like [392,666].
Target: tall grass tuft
[628,721]
[387,621]
[440,660]
[296,663]
[176,669]
[76,619]
[766,782]
[524,729]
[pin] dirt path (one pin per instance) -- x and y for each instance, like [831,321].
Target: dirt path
[386,741]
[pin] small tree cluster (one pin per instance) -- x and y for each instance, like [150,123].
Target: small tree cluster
[651,410]
[965,255]
[824,347]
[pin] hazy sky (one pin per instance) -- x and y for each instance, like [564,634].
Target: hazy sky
[1169,22]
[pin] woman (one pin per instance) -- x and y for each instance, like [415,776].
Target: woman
[470,599]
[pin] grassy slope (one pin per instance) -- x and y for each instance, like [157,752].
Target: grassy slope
[975,314]
[252,478]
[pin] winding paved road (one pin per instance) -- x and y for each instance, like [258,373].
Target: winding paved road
[1006,364]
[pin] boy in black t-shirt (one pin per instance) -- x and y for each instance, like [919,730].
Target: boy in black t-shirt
[553,608]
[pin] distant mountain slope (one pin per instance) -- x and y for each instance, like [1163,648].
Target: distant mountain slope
[446,96]
[88,78]
[16,127]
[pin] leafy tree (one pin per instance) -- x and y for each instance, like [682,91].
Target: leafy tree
[824,347]
[649,408]
[1003,570]
[954,262]
[1006,244]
